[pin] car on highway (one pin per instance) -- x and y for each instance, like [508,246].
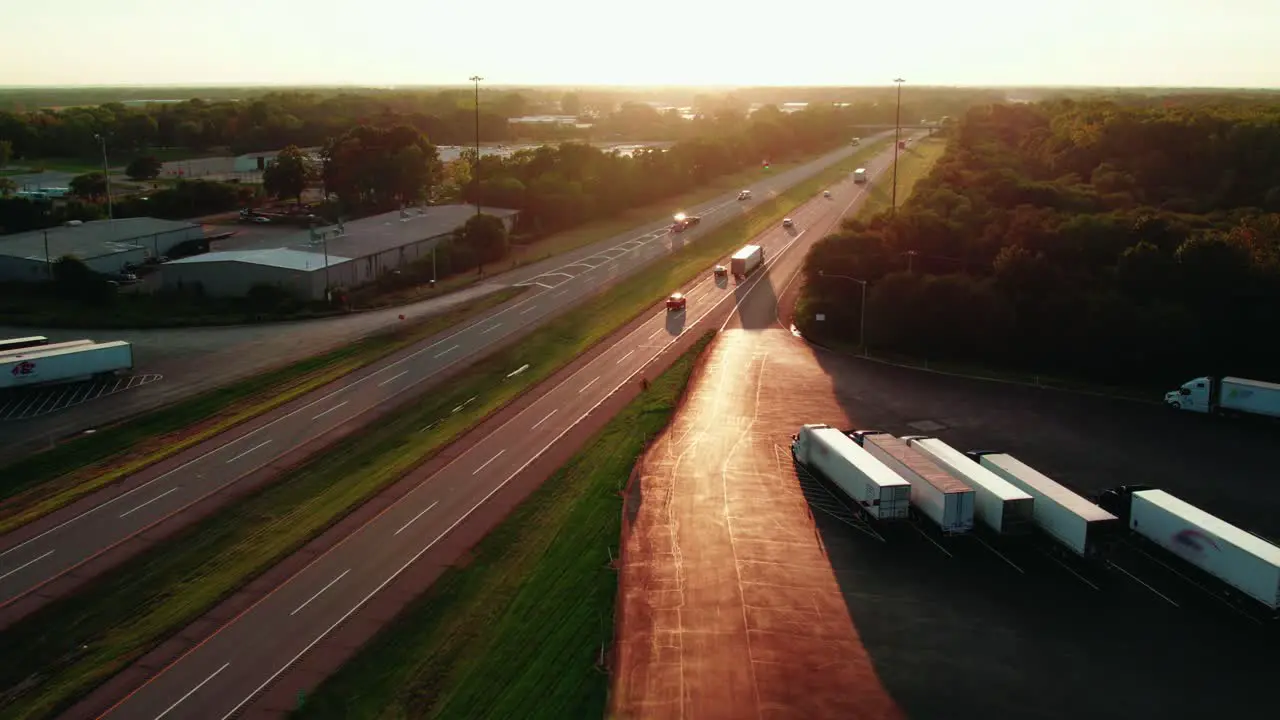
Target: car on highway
[686,222]
[826,193]
[786,223]
[720,271]
[744,195]
[676,302]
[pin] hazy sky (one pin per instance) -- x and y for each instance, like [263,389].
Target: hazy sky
[749,42]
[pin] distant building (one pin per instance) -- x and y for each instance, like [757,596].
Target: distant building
[258,161]
[308,262]
[104,245]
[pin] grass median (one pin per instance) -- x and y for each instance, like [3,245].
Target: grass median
[914,163]
[43,483]
[519,631]
[74,644]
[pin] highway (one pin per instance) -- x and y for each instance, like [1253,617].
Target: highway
[218,677]
[41,552]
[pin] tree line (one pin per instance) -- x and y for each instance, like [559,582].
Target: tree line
[1126,242]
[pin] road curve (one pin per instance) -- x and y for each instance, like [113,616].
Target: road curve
[32,557]
[228,669]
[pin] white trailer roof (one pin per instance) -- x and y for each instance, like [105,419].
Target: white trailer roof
[878,472]
[1260,384]
[35,351]
[746,252]
[1049,487]
[1248,542]
[920,464]
[993,483]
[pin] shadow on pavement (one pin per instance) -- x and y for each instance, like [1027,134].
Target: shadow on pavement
[675,321]
[967,627]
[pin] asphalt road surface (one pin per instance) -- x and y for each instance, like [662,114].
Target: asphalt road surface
[225,672]
[34,555]
[193,360]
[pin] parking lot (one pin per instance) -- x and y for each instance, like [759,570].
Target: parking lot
[29,403]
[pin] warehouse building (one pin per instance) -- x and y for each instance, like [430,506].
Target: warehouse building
[104,245]
[309,262]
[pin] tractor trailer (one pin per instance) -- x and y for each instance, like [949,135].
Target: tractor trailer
[860,175]
[1238,558]
[746,260]
[998,504]
[1071,520]
[45,348]
[22,342]
[877,490]
[65,364]
[936,494]
[1226,396]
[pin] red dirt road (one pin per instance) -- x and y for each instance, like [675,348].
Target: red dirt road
[728,604]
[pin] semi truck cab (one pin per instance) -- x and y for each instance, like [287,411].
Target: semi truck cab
[1196,395]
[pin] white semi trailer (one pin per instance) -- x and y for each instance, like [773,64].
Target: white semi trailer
[746,260]
[1226,396]
[860,175]
[998,504]
[65,365]
[1238,558]
[935,493]
[45,348]
[874,488]
[1071,520]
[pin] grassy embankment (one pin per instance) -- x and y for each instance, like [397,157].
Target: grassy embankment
[518,630]
[74,644]
[40,484]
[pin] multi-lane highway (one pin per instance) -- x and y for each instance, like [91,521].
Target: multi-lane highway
[219,676]
[33,556]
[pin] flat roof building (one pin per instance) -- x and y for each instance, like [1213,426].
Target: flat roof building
[357,253]
[104,245]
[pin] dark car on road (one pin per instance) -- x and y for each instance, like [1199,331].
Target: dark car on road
[676,302]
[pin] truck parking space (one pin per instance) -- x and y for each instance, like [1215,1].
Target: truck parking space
[26,403]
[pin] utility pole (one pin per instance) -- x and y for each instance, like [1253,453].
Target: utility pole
[897,142]
[48,264]
[476,79]
[102,140]
[862,321]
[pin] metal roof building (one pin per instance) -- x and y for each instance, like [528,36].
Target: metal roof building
[358,253]
[104,245]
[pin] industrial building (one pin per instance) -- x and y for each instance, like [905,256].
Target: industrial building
[258,161]
[309,262]
[104,245]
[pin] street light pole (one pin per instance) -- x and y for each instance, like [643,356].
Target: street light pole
[862,321]
[106,174]
[897,142]
[476,79]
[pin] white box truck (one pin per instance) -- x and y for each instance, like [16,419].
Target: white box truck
[936,494]
[1071,520]
[65,365]
[1226,396]
[745,260]
[45,348]
[860,175]
[1242,560]
[876,489]
[998,504]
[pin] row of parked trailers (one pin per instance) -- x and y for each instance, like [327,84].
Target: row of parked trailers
[886,476]
[34,361]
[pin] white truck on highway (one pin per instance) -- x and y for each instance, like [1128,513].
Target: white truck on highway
[874,488]
[746,260]
[998,504]
[1242,560]
[860,175]
[935,493]
[67,364]
[1071,520]
[1226,396]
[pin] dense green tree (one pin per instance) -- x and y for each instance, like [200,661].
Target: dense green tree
[485,236]
[287,175]
[145,167]
[89,185]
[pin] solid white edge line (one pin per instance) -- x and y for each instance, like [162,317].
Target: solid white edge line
[756,280]
[321,591]
[192,691]
[166,492]
[414,519]
[25,565]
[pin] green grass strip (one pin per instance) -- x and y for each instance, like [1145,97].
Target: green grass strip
[48,481]
[73,645]
[519,630]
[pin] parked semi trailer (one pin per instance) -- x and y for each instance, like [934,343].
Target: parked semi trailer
[45,348]
[1082,527]
[65,365]
[998,504]
[23,342]
[1226,396]
[876,489]
[935,493]
[1242,560]
[746,260]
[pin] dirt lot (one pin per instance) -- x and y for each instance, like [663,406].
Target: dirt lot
[728,582]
